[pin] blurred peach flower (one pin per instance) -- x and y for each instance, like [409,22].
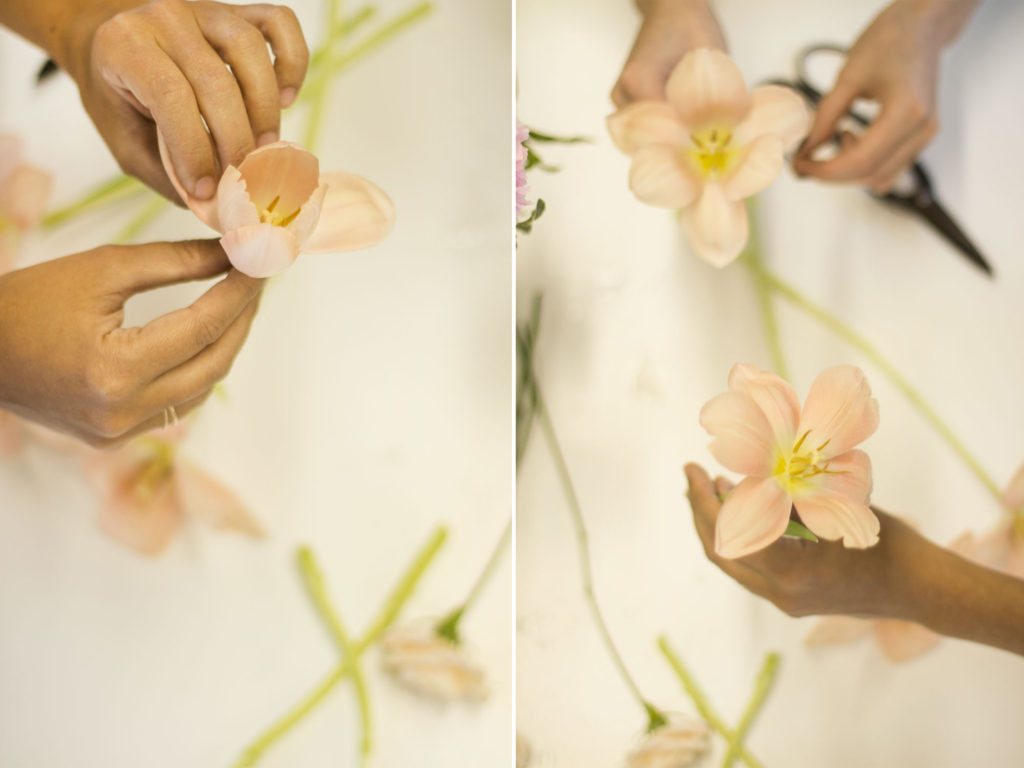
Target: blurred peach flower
[711,144]
[793,458]
[24,193]
[522,201]
[146,489]
[677,744]
[276,203]
[423,661]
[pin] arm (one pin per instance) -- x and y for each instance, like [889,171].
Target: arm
[904,576]
[164,64]
[670,29]
[895,62]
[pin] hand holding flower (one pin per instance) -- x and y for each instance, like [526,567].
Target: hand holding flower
[164,64]
[67,362]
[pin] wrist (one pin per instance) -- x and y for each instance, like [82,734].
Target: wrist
[940,20]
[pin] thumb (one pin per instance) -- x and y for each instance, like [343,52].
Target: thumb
[152,265]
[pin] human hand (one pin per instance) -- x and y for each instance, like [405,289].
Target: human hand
[806,578]
[162,65]
[67,362]
[894,62]
[670,29]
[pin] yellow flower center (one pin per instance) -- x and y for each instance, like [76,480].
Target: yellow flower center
[801,463]
[711,152]
[268,216]
[155,471]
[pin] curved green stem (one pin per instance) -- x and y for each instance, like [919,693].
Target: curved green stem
[655,717]
[448,627]
[853,338]
[754,260]
[116,188]
[700,701]
[762,687]
[314,582]
[142,219]
[387,615]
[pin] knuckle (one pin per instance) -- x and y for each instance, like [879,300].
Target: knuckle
[167,10]
[106,384]
[637,80]
[204,329]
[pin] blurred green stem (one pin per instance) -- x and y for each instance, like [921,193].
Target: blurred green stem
[448,627]
[115,188]
[762,687]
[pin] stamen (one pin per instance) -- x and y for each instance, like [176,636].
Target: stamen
[801,441]
[273,204]
[289,218]
[822,446]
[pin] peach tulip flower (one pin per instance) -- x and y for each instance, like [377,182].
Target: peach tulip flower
[276,203]
[709,146]
[793,458]
[431,665]
[147,489]
[24,193]
[677,744]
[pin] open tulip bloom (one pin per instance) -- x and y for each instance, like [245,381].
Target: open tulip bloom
[792,458]
[712,144]
[276,203]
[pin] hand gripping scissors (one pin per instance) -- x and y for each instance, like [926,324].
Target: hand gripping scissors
[913,193]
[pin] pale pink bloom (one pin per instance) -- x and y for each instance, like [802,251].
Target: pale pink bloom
[431,665]
[276,203]
[24,193]
[712,144]
[522,201]
[677,744]
[146,489]
[793,458]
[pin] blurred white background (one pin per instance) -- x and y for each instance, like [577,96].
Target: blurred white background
[372,402]
[637,334]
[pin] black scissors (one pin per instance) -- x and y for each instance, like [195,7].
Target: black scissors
[916,195]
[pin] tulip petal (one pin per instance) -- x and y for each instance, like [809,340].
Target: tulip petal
[205,498]
[833,516]
[657,177]
[774,396]
[839,408]
[234,208]
[24,195]
[261,250]
[139,502]
[778,111]
[10,156]
[755,514]
[743,439]
[1013,496]
[759,167]
[848,474]
[356,214]
[707,90]
[646,122]
[716,226]
[835,630]
[283,171]
[305,224]
[205,210]
[902,641]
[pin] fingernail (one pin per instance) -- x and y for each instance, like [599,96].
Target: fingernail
[267,138]
[287,97]
[205,188]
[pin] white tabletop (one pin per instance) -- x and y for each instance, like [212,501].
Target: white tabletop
[371,403]
[638,333]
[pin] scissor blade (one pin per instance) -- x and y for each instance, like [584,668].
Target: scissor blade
[940,220]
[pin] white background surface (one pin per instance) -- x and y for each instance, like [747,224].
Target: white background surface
[638,333]
[372,402]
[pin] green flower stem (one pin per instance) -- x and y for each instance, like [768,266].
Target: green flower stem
[655,717]
[339,30]
[762,687]
[754,260]
[700,701]
[115,188]
[315,91]
[795,298]
[386,616]
[449,626]
[314,582]
[526,395]
[142,219]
